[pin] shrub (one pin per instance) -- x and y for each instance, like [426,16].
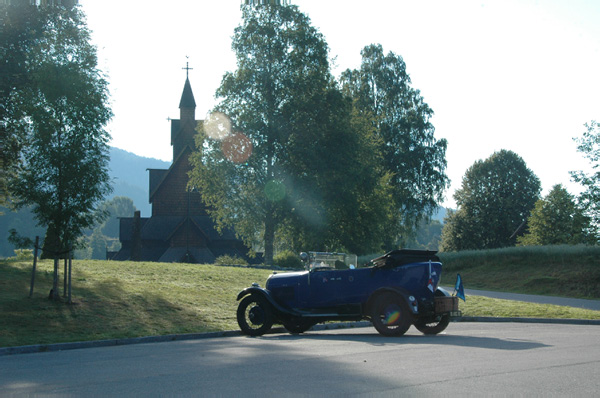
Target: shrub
[288,259]
[24,254]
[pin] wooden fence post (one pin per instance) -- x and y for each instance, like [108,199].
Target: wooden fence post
[70,268]
[55,281]
[65,280]
[35,253]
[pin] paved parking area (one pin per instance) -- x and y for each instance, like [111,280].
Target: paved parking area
[468,359]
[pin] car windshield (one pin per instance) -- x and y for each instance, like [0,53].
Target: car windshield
[331,260]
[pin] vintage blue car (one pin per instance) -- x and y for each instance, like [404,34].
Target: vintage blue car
[395,291]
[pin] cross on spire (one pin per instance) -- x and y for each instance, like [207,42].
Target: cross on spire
[187,69]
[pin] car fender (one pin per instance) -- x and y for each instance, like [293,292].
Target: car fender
[443,291]
[267,296]
[410,300]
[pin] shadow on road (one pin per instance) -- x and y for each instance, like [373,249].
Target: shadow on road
[442,339]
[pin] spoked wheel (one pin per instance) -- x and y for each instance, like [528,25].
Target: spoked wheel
[254,315]
[436,324]
[390,315]
[298,325]
[433,325]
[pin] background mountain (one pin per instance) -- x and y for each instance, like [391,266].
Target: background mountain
[129,174]
[440,214]
[130,177]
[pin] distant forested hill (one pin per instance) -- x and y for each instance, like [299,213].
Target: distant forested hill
[130,177]
[440,214]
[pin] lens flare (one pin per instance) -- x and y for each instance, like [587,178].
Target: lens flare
[391,317]
[237,148]
[275,190]
[217,125]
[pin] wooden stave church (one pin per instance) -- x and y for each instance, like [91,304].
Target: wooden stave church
[180,229]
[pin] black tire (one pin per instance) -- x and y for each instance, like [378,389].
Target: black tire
[298,325]
[390,314]
[254,315]
[433,325]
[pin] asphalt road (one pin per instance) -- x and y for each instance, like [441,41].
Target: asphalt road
[469,359]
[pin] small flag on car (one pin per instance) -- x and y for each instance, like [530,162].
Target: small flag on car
[459,290]
[430,281]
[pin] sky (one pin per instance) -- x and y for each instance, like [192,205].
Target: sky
[520,75]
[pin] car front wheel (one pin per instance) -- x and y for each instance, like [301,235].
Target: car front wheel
[390,315]
[254,315]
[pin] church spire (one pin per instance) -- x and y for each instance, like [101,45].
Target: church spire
[184,129]
[187,97]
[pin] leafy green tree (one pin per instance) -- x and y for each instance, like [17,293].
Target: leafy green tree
[427,236]
[62,114]
[117,207]
[98,245]
[105,236]
[343,181]
[415,159]
[453,232]
[589,146]
[21,221]
[494,201]
[20,28]
[557,220]
[298,163]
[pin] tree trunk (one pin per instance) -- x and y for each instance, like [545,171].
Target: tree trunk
[35,255]
[269,237]
[54,291]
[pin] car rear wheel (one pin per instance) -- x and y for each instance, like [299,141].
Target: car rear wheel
[254,315]
[433,325]
[390,314]
[436,324]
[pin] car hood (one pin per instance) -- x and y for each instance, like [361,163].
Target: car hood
[285,279]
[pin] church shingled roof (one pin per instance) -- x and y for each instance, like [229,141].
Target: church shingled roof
[155,178]
[187,97]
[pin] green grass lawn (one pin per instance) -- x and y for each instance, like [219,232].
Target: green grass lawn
[126,299]
[119,299]
[567,271]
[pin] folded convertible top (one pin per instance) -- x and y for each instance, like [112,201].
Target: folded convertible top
[396,258]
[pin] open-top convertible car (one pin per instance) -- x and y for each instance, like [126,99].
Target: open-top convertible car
[397,290]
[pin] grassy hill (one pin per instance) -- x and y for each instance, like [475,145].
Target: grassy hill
[126,299]
[119,300]
[567,271]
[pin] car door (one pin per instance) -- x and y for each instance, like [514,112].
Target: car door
[326,288]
